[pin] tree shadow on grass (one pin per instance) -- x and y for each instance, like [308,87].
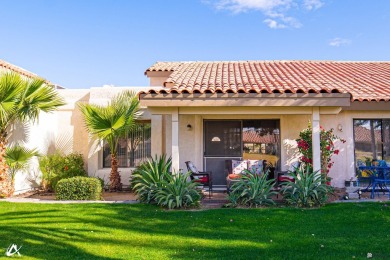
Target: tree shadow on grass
[98,231]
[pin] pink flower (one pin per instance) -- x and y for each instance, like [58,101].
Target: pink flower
[336,152]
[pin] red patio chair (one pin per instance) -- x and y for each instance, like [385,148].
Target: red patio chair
[203,178]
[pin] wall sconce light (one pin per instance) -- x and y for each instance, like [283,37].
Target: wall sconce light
[189,127]
[216,139]
[340,127]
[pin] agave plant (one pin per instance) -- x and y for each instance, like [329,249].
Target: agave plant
[147,179]
[253,190]
[178,192]
[308,190]
[18,158]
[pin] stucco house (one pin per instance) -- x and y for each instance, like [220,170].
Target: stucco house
[208,112]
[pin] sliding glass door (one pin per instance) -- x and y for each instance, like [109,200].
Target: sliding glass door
[239,140]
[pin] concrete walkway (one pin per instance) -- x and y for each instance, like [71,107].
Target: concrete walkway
[34,200]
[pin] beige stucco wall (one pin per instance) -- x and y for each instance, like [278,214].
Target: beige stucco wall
[191,142]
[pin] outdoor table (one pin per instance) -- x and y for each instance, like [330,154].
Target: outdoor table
[379,176]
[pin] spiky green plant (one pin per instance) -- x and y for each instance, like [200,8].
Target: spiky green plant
[110,123]
[252,190]
[21,100]
[177,191]
[18,159]
[308,190]
[147,179]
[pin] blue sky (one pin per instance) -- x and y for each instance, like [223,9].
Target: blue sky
[80,44]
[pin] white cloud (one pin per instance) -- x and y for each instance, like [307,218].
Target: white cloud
[282,22]
[275,11]
[312,4]
[338,42]
[238,6]
[274,24]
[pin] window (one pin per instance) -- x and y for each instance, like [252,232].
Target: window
[133,150]
[261,140]
[372,139]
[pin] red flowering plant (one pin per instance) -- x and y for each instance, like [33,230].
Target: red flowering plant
[327,140]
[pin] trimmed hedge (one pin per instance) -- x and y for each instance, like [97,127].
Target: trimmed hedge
[79,188]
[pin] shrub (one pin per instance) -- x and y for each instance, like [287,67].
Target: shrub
[79,188]
[308,190]
[252,190]
[178,192]
[147,179]
[57,167]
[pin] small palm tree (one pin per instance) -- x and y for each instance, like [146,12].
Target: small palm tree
[21,100]
[110,123]
[18,159]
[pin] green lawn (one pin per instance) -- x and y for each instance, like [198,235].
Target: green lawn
[122,231]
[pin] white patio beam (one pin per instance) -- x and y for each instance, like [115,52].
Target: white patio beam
[175,141]
[316,139]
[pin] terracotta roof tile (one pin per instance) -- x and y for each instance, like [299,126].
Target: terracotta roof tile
[19,70]
[365,81]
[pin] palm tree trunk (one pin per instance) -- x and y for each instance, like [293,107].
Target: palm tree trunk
[5,184]
[115,178]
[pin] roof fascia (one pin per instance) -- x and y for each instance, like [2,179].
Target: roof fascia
[245,99]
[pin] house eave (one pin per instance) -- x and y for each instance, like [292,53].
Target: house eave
[244,99]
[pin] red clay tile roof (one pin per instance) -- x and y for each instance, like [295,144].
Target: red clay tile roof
[365,81]
[255,138]
[363,135]
[21,71]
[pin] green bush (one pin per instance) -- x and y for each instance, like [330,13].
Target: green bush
[57,167]
[178,192]
[79,188]
[252,190]
[308,190]
[148,178]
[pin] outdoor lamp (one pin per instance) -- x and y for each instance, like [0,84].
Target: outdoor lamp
[359,192]
[189,127]
[340,127]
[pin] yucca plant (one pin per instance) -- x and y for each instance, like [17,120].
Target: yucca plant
[147,178]
[178,192]
[308,190]
[18,159]
[253,190]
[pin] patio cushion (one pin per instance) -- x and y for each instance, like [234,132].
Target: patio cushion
[255,166]
[293,166]
[234,176]
[283,178]
[204,179]
[192,167]
[239,166]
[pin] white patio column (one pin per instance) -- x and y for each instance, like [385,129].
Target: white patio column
[316,139]
[175,141]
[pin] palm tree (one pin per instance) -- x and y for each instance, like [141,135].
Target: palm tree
[21,100]
[18,159]
[110,123]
